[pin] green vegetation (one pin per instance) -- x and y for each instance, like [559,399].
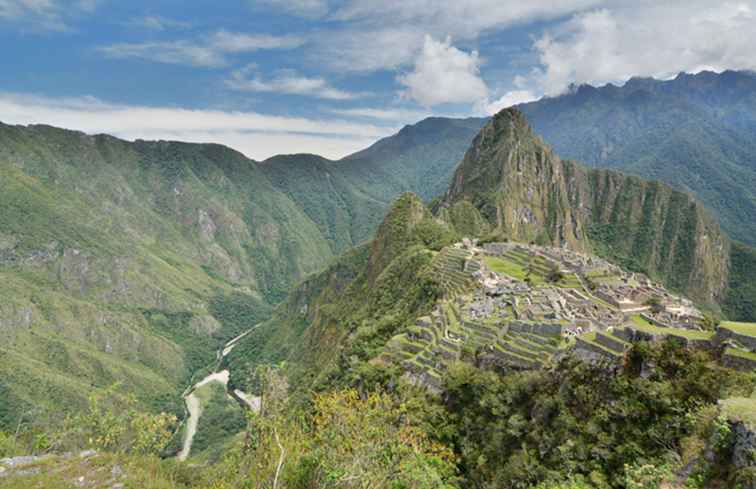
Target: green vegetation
[538,427]
[641,225]
[741,408]
[222,419]
[642,325]
[740,301]
[506,267]
[740,353]
[690,132]
[133,262]
[747,329]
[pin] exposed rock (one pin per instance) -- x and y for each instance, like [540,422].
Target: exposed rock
[527,192]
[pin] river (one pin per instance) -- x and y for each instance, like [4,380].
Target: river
[194,403]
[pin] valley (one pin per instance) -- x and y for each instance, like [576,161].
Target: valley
[528,274]
[347,244]
[197,396]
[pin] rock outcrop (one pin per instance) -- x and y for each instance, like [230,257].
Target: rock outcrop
[524,190]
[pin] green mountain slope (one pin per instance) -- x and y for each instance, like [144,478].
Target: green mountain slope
[695,132]
[510,184]
[132,262]
[347,199]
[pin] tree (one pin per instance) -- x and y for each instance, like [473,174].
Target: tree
[710,321]
[113,422]
[370,442]
[555,275]
[655,304]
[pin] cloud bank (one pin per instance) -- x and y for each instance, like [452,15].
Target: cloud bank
[257,135]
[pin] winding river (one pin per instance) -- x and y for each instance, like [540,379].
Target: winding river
[194,403]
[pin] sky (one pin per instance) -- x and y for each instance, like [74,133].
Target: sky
[332,76]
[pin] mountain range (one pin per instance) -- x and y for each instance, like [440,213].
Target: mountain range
[694,132]
[135,261]
[510,185]
[152,265]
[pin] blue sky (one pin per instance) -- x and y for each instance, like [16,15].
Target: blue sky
[330,77]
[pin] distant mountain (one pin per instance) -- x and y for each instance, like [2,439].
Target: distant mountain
[694,132]
[347,199]
[132,262]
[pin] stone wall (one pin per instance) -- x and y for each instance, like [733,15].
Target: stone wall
[744,451]
[724,334]
[738,363]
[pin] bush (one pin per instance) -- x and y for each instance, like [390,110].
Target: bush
[113,423]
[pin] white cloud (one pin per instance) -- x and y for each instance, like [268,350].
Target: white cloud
[235,42]
[158,23]
[509,99]
[176,52]
[383,114]
[369,49]
[51,15]
[647,39]
[304,8]
[388,34]
[459,18]
[286,81]
[210,52]
[444,74]
[257,135]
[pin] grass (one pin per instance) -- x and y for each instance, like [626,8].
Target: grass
[642,325]
[737,352]
[570,281]
[516,270]
[97,472]
[591,338]
[741,408]
[747,329]
[512,269]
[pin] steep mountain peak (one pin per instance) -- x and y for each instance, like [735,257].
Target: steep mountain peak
[499,175]
[396,232]
[525,191]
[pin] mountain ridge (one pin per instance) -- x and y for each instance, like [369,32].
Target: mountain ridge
[694,132]
[525,190]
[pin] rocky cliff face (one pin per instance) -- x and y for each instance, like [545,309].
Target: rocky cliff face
[693,132]
[527,192]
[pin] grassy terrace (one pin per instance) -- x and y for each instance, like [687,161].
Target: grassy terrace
[748,329]
[591,338]
[737,352]
[510,268]
[516,268]
[742,408]
[642,325]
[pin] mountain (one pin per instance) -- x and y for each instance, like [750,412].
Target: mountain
[694,132]
[493,375]
[133,262]
[524,190]
[417,358]
[347,199]
[509,186]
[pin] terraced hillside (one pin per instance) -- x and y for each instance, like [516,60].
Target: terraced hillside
[529,194]
[490,316]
